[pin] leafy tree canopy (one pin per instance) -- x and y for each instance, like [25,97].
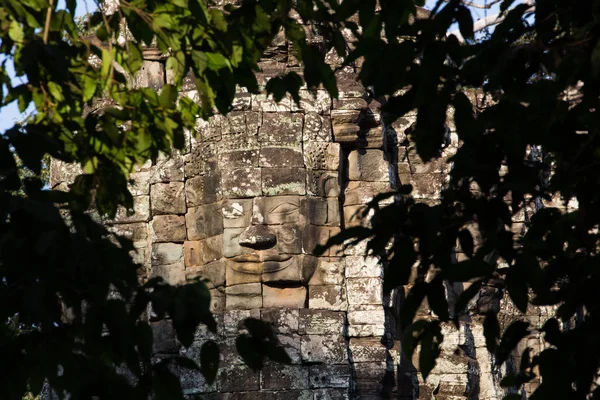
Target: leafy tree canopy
[71,300]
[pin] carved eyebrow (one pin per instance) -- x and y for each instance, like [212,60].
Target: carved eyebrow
[293,207]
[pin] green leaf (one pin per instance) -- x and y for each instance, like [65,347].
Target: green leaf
[516,285]
[15,32]
[168,96]
[491,331]
[134,57]
[466,270]
[510,339]
[466,242]
[71,6]
[465,21]
[209,360]
[436,297]
[89,87]
[430,349]
[216,61]
[218,19]
[466,296]
[505,5]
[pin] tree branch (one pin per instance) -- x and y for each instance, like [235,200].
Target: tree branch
[475,5]
[490,20]
[48,18]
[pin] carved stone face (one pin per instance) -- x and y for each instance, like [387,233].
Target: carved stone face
[267,187]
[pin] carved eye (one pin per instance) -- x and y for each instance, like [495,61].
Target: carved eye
[284,209]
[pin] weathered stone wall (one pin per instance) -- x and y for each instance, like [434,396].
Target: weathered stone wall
[244,205]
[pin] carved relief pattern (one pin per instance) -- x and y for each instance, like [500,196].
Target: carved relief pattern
[244,206]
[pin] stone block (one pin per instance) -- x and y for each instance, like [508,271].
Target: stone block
[368,165]
[238,273]
[331,394]
[281,156]
[283,297]
[233,320]
[231,245]
[202,159]
[217,300]
[168,228]
[351,103]
[237,378]
[289,238]
[328,272]
[321,322]
[340,117]
[166,253]
[316,128]
[280,128]
[290,270]
[364,290]
[242,102]
[357,216]
[319,235]
[346,133]
[200,252]
[318,101]
[369,377]
[283,181]
[366,315]
[136,231]
[323,211]
[330,376]
[169,168]
[367,350]
[241,182]
[244,297]
[193,381]
[140,211]
[164,338]
[374,330]
[202,332]
[172,273]
[363,267]
[204,221]
[291,345]
[202,189]
[322,183]
[328,349]
[151,75]
[322,155]
[278,210]
[281,376]
[236,213]
[361,193]
[62,172]
[210,130]
[283,320]
[214,272]
[140,183]
[243,158]
[266,104]
[327,297]
[168,198]
[425,186]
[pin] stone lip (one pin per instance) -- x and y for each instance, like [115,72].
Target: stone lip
[270,265]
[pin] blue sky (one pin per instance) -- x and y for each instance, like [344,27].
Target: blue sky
[10,113]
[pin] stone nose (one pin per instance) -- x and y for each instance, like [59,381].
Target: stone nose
[257,237]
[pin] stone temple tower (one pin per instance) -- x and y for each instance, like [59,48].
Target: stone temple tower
[244,205]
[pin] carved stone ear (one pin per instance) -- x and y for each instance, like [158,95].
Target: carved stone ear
[257,236]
